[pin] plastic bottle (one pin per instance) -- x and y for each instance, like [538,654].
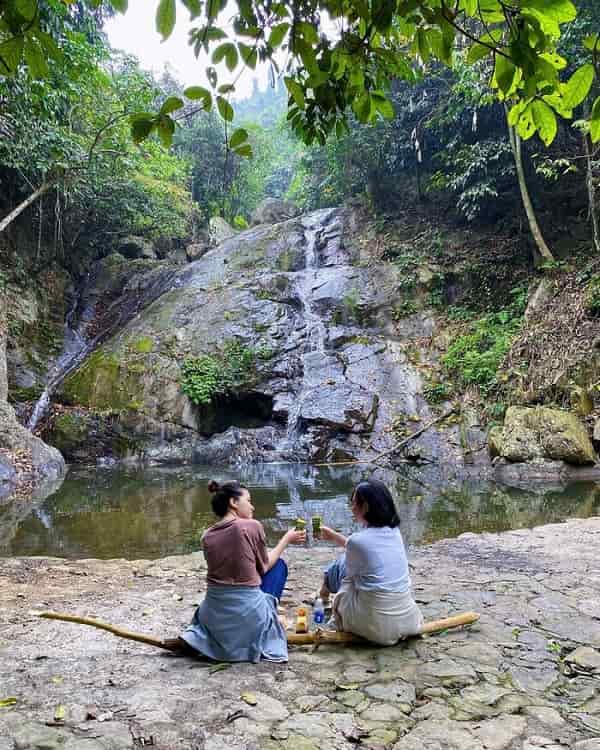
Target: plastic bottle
[318,611]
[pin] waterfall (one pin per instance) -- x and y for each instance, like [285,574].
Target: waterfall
[74,350]
[316,330]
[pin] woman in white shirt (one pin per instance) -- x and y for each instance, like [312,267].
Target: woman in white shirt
[371,580]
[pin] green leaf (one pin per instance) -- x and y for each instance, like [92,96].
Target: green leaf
[49,45]
[308,31]
[244,151]
[477,52]
[557,62]
[228,52]
[277,34]
[578,86]
[165,128]
[11,52]
[238,137]
[383,106]
[225,109]
[194,7]
[8,702]
[592,42]
[362,107]
[295,90]
[560,11]
[211,74]
[515,113]
[199,93]
[141,126]
[248,54]
[544,120]
[214,7]
[35,58]
[26,8]
[526,126]
[119,5]
[226,88]
[595,121]
[170,105]
[504,73]
[165,18]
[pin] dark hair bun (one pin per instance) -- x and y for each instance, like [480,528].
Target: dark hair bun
[213,486]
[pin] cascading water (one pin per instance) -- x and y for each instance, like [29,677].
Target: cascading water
[75,349]
[316,331]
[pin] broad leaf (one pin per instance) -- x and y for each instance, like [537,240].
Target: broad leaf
[504,73]
[526,126]
[199,93]
[238,137]
[170,105]
[295,90]
[35,58]
[119,5]
[248,54]
[592,42]
[544,120]
[194,7]
[244,151]
[165,18]
[26,8]
[225,109]
[141,127]
[560,11]
[595,121]
[578,86]
[277,34]
[165,129]
[11,52]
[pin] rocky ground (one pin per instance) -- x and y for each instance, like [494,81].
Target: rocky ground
[526,676]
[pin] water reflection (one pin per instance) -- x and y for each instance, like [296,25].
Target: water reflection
[152,513]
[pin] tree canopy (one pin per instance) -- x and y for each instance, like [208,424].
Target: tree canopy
[338,56]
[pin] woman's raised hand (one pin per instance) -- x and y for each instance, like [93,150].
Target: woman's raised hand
[329,535]
[295,537]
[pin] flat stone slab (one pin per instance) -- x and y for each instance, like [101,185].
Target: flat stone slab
[525,676]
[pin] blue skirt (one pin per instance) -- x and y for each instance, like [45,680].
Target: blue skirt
[237,623]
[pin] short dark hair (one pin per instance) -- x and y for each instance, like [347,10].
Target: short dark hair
[381,510]
[222,494]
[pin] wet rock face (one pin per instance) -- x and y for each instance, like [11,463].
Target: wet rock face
[322,370]
[273,210]
[136,247]
[531,433]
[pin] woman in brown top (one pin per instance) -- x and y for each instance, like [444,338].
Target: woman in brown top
[237,621]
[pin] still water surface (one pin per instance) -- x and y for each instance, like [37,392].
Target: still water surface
[151,513]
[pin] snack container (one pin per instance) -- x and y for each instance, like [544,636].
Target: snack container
[300,524]
[301,620]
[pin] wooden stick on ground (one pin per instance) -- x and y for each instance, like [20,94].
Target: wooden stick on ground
[297,639]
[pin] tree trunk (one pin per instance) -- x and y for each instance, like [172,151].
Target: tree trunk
[589,181]
[44,187]
[515,142]
[3,334]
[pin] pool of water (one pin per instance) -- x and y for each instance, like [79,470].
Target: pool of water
[150,513]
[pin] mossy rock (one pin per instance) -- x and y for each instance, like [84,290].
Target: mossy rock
[103,383]
[540,432]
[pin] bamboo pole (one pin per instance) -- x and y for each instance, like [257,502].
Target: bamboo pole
[316,637]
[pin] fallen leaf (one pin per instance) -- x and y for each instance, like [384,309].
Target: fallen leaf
[219,667]
[7,702]
[177,597]
[347,686]
[249,698]
[57,680]
[59,713]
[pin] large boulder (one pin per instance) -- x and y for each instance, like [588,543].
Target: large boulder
[274,210]
[24,456]
[134,247]
[219,230]
[531,433]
